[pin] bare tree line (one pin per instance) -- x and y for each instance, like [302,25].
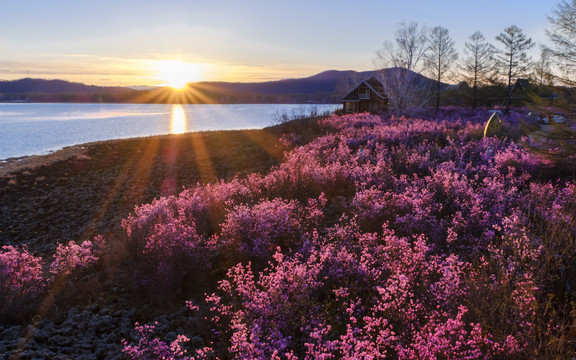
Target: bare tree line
[418,50]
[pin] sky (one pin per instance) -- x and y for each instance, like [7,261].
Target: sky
[142,42]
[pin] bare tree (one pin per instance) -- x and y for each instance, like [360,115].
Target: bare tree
[544,80]
[478,65]
[441,57]
[542,70]
[399,64]
[563,38]
[513,56]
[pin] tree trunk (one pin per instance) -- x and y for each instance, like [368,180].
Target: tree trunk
[475,87]
[438,95]
[509,89]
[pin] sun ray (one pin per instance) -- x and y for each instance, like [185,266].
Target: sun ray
[203,159]
[267,142]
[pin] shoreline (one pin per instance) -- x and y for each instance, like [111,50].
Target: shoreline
[12,165]
[29,162]
[80,191]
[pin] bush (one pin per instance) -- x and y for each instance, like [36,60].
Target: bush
[384,237]
[22,283]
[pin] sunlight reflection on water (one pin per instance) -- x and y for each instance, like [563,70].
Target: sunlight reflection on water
[178,121]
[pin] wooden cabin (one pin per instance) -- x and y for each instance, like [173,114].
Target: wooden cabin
[367,96]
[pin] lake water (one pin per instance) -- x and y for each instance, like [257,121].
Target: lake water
[36,129]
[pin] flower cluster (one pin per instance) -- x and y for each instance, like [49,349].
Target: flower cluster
[152,348]
[71,257]
[385,237]
[26,279]
[21,277]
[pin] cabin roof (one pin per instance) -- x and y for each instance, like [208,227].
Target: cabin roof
[523,84]
[373,83]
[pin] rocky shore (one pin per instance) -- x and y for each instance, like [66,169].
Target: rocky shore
[89,333]
[85,190]
[81,191]
[86,333]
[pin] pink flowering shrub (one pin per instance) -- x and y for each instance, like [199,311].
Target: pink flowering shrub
[152,348]
[307,174]
[378,296]
[25,279]
[384,237]
[254,232]
[22,280]
[71,257]
[167,249]
[208,205]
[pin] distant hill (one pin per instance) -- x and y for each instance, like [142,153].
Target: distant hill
[29,85]
[326,87]
[325,82]
[62,91]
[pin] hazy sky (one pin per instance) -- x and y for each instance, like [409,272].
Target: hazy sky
[126,42]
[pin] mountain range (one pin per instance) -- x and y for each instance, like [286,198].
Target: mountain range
[325,87]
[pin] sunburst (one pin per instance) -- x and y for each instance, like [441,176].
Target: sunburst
[177,74]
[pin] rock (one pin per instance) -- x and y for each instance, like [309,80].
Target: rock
[60,341]
[103,323]
[82,326]
[71,316]
[42,335]
[28,354]
[86,346]
[85,357]
[11,334]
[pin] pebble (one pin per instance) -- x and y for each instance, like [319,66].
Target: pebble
[90,333]
[67,340]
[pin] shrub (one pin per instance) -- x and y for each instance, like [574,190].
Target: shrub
[22,282]
[71,257]
[384,237]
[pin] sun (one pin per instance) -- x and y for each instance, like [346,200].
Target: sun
[177,74]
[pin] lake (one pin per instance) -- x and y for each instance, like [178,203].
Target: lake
[37,129]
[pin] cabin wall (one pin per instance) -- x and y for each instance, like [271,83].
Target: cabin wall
[371,103]
[350,107]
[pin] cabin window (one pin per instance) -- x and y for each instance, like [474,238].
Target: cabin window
[349,107]
[364,93]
